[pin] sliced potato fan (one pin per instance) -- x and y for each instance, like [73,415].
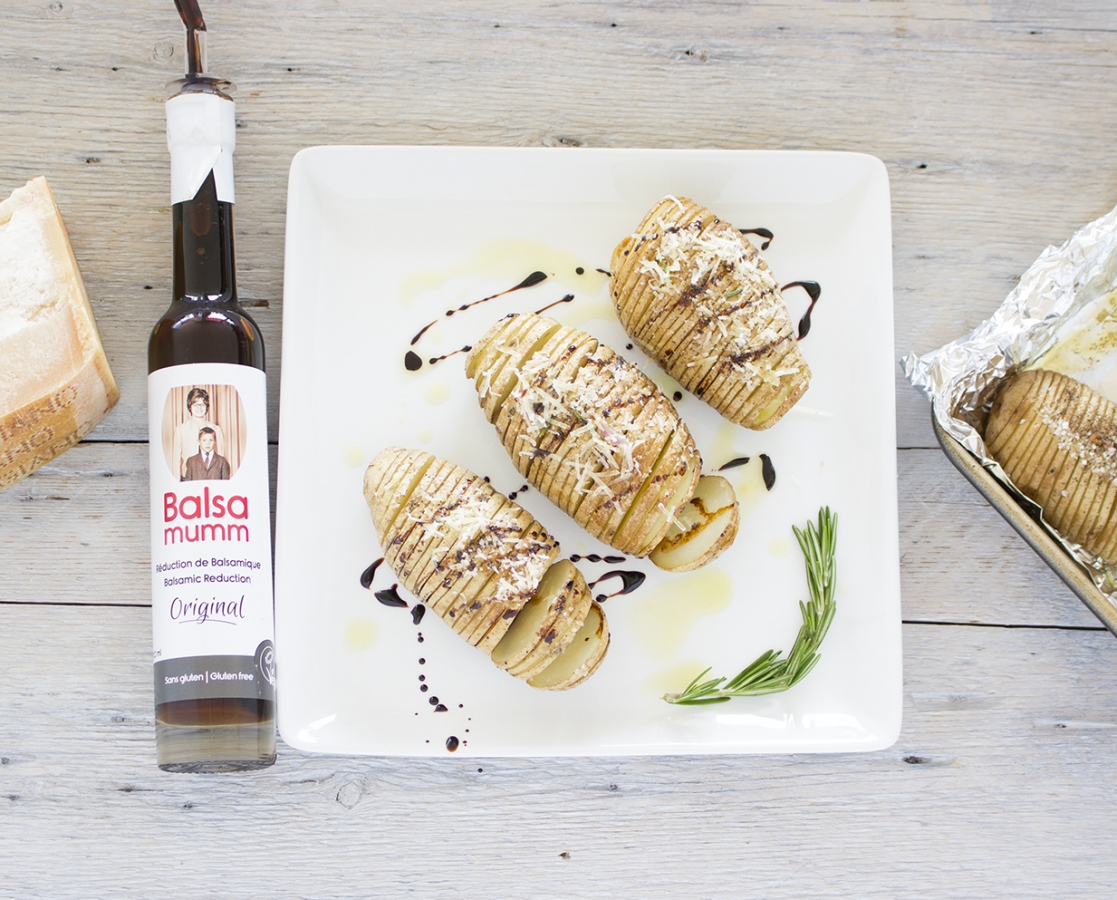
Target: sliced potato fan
[484,565]
[595,436]
[1057,440]
[697,297]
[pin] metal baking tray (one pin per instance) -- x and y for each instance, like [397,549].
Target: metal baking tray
[1065,566]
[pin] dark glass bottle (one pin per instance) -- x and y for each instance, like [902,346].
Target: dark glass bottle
[206,324]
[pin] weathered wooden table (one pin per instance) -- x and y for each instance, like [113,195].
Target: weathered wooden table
[997,124]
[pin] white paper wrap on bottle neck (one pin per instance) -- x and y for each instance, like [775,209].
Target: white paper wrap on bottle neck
[201,135]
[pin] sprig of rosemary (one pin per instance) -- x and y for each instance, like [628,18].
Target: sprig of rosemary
[768,674]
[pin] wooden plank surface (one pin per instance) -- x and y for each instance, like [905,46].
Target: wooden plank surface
[1000,780]
[996,125]
[990,117]
[86,517]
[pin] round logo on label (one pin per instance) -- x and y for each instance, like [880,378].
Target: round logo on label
[265,662]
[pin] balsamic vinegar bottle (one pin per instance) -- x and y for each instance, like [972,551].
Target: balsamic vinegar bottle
[212,619]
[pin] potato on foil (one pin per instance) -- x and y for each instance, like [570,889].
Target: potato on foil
[601,441]
[1056,439]
[487,567]
[695,294]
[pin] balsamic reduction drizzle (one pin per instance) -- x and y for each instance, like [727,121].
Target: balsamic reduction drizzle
[413,362]
[605,272]
[533,279]
[521,489]
[390,597]
[814,291]
[733,463]
[769,471]
[368,574]
[565,299]
[437,359]
[417,613]
[763,232]
[593,557]
[630,581]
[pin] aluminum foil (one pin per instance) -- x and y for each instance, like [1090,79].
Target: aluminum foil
[1068,291]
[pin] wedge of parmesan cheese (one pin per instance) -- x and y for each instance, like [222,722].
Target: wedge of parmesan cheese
[55,383]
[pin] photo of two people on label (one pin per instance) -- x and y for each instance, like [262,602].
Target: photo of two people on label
[204,432]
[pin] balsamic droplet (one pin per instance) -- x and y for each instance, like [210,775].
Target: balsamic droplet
[762,232]
[733,463]
[677,396]
[412,361]
[417,613]
[769,471]
[630,581]
[441,708]
[452,745]
[367,574]
[389,597]
[814,291]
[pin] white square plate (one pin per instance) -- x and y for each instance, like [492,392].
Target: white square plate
[382,240]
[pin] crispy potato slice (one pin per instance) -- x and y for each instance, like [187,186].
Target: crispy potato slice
[705,527]
[385,479]
[581,658]
[547,624]
[517,345]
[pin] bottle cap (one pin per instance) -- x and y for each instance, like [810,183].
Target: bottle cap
[201,135]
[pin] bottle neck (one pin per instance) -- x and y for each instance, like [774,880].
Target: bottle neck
[204,258]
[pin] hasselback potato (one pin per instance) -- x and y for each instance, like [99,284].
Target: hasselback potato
[697,297]
[1056,439]
[600,440]
[486,566]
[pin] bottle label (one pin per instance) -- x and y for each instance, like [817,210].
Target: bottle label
[211,592]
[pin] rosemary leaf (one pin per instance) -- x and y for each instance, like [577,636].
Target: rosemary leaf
[768,673]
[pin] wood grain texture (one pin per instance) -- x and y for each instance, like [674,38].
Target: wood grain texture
[989,117]
[996,124]
[77,532]
[994,772]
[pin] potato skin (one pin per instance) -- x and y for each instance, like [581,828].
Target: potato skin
[587,428]
[697,297]
[1056,439]
[477,559]
[454,542]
